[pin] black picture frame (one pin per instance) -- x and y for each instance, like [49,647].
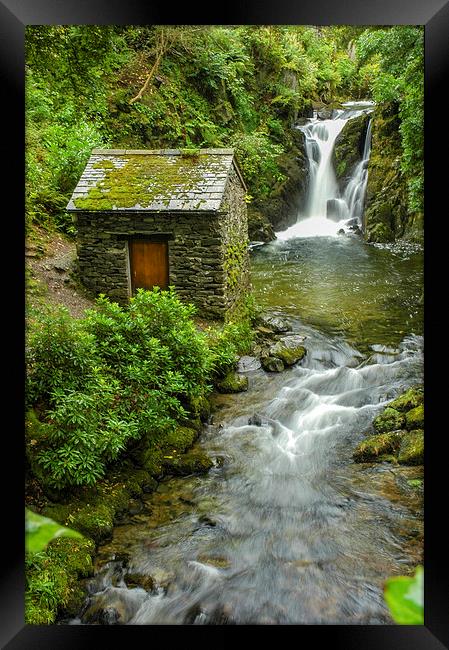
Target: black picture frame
[14,16]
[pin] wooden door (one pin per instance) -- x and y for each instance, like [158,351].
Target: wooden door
[148,264]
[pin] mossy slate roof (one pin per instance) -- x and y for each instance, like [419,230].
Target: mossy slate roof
[154,180]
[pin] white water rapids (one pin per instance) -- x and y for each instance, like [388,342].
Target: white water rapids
[294,532]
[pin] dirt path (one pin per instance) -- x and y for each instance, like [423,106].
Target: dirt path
[49,263]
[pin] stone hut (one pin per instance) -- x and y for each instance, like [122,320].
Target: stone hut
[163,218]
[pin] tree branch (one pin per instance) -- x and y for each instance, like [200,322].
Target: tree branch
[161,48]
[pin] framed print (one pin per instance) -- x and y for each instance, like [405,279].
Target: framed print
[231,227]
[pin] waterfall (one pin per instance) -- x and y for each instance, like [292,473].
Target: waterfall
[327,209]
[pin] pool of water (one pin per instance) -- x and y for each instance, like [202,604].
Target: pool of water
[370,294]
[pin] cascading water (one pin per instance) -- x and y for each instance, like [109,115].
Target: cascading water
[327,209]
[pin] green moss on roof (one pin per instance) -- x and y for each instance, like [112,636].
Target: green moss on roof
[136,180]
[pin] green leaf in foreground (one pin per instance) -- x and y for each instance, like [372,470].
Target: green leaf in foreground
[39,531]
[405,598]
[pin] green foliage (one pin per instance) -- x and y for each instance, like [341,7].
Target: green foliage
[40,531]
[392,69]
[257,156]
[227,344]
[111,378]
[52,579]
[60,354]
[405,598]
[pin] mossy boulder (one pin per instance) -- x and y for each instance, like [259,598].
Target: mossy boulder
[411,451]
[232,383]
[193,462]
[379,232]
[152,449]
[412,398]
[289,349]
[53,585]
[377,448]
[272,364]
[94,521]
[389,420]
[200,407]
[259,227]
[414,419]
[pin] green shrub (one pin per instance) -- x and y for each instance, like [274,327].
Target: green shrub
[227,344]
[152,343]
[119,374]
[60,355]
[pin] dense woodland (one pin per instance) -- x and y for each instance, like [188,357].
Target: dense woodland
[200,86]
[116,390]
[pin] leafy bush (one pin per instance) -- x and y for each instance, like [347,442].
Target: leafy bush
[257,156]
[60,355]
[117,375]
[153,342]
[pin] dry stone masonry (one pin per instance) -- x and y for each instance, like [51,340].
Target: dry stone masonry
[195,202]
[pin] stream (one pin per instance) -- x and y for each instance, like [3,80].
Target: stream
[286,528]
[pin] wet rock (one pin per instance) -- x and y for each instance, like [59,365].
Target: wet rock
[232,383]
[135,506]
[222,615]
[389,420]
[275,324]
[143,581]
[247,364]
[218,562]
[376,448]
[341,232]
[207,521]
[414,419]
[334,210]
[265,331]
[411,451]
[289,349]
[193,462]
[162,577]
[264,421]
[259,227]
[325,114]
[348,148]
[412,398]
[113,606]
[272,364]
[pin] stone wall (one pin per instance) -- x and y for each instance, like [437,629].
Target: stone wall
[208,257]
[234,233]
